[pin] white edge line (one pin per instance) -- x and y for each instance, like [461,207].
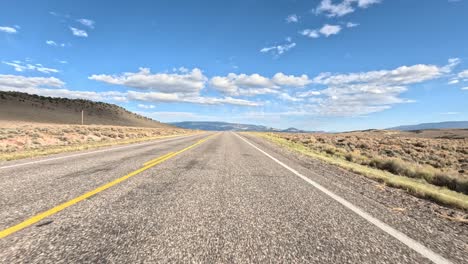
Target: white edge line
[411,243]
[96,151]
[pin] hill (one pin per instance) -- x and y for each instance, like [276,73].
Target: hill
[15,106]
[224,126]
[439,125]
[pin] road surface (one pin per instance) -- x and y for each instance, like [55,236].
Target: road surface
[212,198]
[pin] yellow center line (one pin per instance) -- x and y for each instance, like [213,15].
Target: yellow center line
[10,230]
[157,159]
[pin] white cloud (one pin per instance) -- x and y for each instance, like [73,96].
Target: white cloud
[351,25]
[279,49]
[328,30]
[292,18]
[63,61]
[367,3]
[86,22]
[52,87]
[55,44]
[367,92]
[333,10]
[51,43]
[180,82]
[455,81]
[144,106]
[311,33]
[343,8]
[79,32]
[10,30]
[463,74]
[20,66]
[465,88]
[255,84]
[181,98]
[291,80]
[308,94]
[288,97]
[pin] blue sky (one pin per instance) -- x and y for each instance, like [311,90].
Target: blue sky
[318,65]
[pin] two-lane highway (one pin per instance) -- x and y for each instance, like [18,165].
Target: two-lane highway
[217,198]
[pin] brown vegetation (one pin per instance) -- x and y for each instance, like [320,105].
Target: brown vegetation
[15,106]
[21,140]
[439,157]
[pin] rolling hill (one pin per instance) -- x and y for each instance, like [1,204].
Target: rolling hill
[439,125]
[224,126]
[15,106]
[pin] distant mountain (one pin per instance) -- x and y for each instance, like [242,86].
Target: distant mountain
[440,125]
[16,106]
[224,126]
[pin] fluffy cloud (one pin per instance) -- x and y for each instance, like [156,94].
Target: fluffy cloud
[255,84]
[463,74]
[190,82]
[292,18]
[291,80]
[343,8]
[311,33]
[52,87]
[308,94]
[367,92]
[79,32]
[10,30]
[86,22]
[21,66]
[328,30]
[181,98]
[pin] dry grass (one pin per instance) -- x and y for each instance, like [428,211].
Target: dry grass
[441,158]
[24,140]
[418,186]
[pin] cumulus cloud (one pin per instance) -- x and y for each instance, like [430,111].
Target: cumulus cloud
[311,33]
[292,18]
[282,79]
[79,32]
[180,82]
[367,92]
[328,30]
[52,87]
[308,94]
[9,30]
[279,49]
[463,74]
[20,66]
[345,7]
[256,84]
[181,98]
[86,22]
[465,88]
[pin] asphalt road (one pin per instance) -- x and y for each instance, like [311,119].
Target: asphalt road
[229,198]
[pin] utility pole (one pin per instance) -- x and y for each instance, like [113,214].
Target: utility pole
[82,117]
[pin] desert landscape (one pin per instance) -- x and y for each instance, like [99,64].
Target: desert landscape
[435,157]
[32,125]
